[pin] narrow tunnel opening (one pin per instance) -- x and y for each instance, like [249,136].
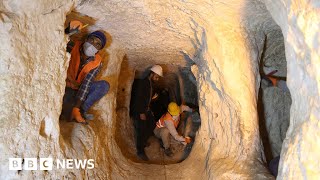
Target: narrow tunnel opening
[274,99]
[175,86]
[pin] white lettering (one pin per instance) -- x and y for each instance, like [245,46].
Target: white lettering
[69,163]
[90,164]
[80,163]
[30,164]
[46,163]
[61,164]
[15,164]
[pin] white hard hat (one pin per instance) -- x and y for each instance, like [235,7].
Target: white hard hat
[157,69]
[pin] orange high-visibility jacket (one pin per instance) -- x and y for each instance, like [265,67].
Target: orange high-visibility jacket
[74,79]
[167,117]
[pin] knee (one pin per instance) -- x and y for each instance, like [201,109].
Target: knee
[104,87]
[165,131]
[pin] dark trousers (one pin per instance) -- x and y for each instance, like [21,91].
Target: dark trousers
[143,130]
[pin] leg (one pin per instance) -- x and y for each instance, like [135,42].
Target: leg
[140,126]
[145,131]
[69,100]
[165,137]
[96,91]
[156,132]
[151,124]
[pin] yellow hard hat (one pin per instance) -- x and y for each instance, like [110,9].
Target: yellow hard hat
[173,109]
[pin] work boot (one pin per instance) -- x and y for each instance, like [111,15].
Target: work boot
[168,152]
[88,116]
[143,156]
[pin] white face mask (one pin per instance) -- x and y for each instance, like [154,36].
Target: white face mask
[89,49]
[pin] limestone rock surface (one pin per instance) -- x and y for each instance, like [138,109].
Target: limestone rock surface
[299,22]
[277,110]
[223,39]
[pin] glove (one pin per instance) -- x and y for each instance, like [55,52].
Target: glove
[77,116]
[188,140]
[75,25]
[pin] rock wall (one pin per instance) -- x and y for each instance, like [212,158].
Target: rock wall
[33,72]
[274,113]
[224,40]
[277,116]
[299,22]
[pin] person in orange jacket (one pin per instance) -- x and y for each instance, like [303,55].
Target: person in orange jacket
[168,124]
[82,91]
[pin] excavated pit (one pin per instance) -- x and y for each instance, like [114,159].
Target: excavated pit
[178,85]
[221,48]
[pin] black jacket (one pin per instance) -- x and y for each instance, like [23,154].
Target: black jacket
[140,96]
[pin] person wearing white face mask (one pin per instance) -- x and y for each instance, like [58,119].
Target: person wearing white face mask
[167,125]
[81,90]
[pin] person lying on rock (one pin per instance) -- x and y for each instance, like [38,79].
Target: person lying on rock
[167,125]
[82,91]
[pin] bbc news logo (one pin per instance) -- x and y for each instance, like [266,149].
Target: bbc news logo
[48,164]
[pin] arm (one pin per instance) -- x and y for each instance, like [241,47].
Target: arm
[84,88]
[185,108]
[173,131]
[73,26]
[141,98]
[70,46]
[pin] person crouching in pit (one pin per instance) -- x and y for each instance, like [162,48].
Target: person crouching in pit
[168,124]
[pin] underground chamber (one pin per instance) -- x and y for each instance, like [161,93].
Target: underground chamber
[170,88]
[228,49]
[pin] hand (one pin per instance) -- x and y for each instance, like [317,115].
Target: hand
[185,108]
[188,140]
[75,25]
[143,117]
[155,96]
